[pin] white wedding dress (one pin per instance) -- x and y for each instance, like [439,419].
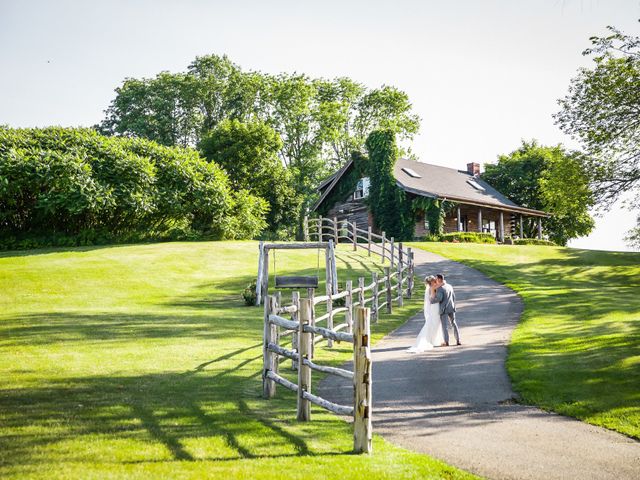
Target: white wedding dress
[431,333]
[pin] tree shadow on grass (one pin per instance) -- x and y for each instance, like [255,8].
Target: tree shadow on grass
[50,328]
[182,413]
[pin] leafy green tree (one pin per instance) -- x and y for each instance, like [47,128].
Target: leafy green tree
[549,179]
[338,103]
[293,113]
[249,154]
[163,109]
[390,207]
[386,108]
[348,113]
[321,122]
[602,111]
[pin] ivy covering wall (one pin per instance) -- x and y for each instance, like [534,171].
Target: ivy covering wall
[389,204]
[435,211]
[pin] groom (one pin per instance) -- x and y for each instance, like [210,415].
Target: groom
[446,297]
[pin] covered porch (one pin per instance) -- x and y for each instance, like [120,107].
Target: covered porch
[501,222]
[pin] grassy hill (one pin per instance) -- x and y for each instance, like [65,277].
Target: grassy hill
[142,361]
[577,348]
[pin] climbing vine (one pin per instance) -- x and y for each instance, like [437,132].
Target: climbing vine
[389,204]
[435,211]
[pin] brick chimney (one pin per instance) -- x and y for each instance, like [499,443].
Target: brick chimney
[473,169]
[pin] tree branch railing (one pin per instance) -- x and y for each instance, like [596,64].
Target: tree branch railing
[303,360]
[334,229]
[360,306]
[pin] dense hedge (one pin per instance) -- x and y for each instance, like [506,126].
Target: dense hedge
[533,241]
[468,237]
[63,186]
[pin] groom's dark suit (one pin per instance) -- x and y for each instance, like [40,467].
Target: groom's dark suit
[446,297]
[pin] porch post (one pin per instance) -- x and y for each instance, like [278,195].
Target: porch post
[480,220]
[521,228]
[459,229]
[539,228]
[501,226]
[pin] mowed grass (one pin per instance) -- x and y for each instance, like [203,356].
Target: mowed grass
[142,362]
[576,350]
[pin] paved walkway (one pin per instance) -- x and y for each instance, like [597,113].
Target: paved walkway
[456,404]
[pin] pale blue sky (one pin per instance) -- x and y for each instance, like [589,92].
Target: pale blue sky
[481,74]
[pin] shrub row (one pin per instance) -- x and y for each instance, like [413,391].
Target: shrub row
[63,186]
[533,241]
[462,237]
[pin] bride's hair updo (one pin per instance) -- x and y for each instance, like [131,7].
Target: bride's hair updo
[428,279]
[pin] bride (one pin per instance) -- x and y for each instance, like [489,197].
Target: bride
[431,334]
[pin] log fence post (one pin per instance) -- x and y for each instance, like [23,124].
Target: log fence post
[264,284]
[260,273]
[374,301]
[304,371]
[393,260]
[369,241]
[400,300]
[334,269]
[335,231]
[329,291]
[354,233]
[362,425]
[361,292]
[387,285]
[348,303]
[311,292]
[320,234]
[383,253]
[269,359]
[305,228]
[295,316]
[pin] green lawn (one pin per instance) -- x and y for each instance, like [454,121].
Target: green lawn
[576,350]
[142,361]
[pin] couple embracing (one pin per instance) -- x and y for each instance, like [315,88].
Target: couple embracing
[439,311]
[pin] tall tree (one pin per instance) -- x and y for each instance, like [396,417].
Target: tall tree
[549,179]
[163,109]
[602,111]
[321,122]
[249,154]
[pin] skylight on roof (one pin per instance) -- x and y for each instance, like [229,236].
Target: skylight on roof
[410,172]
[475,185]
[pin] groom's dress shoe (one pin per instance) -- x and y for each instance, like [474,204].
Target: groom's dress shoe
[459,343]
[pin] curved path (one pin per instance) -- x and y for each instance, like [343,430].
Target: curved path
[456,403]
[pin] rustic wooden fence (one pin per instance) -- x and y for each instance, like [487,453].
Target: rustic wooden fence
[304,325]
[324,228]
[359,306]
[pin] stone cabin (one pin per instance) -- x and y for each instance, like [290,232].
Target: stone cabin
[478,206]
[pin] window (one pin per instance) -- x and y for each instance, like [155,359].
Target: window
[489,226]
[362,188]
[410,172]
[475,185]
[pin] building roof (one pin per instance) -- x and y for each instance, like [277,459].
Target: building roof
[440,182]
